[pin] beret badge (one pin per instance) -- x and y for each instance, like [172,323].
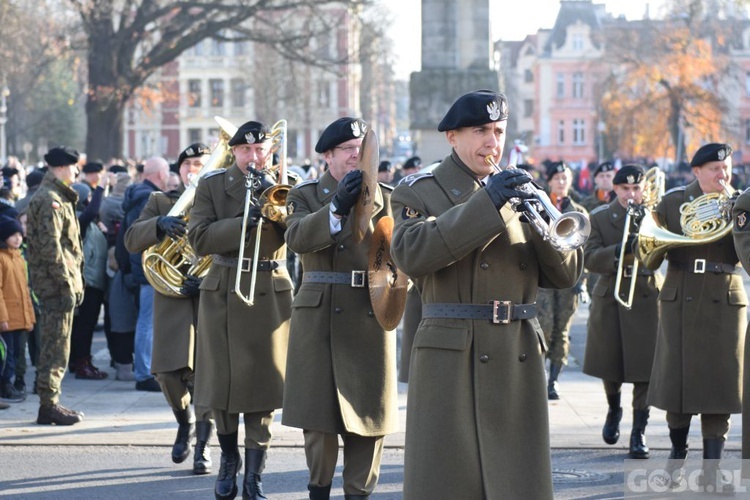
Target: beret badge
[250,138]
[494,111]
[189,152]
[631,179]
[358,129]
[721,154]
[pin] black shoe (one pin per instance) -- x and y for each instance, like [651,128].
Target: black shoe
[226,482]
[319,492]
[57,415]
[150,385]
[20,385]
[10,394]
[553,387]
[638,446]
[252,486]
[611,429]
[202,453]
[185,432]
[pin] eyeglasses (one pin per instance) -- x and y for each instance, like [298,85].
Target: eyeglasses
[349,149]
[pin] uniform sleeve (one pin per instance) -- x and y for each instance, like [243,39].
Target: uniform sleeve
[207,233]
[660,216]
[307,230]
[741,228]
[143,233]
[598,257]
[48,250]
[423,243]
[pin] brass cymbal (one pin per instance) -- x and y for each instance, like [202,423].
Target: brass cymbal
[367,162]
[387,284]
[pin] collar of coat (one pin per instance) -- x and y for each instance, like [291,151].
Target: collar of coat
[456,179]
[693,191]
[60,187]
[617,214]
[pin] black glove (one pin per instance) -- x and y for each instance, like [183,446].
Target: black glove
[253,216]
[347,193]
[629,243]
[191,287]
[502,186]
[174,227]
[266,181]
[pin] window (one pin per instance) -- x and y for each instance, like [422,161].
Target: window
[324,94]
[528,76]
[528,108]
[577,42]
[238,93]
[217,48]
[240,48]
[217,93]
[577,85]
[561,132]
[194,135]
[579,132]
[194,93]
[560,85]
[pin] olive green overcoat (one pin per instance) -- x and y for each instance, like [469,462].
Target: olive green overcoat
[341,374]
[699,348]
[241,353]
[620,343]
[477,422]
[174,318]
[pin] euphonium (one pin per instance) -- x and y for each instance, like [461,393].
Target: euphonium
[704,220]
[167,264]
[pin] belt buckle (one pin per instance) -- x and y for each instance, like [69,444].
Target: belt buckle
[496,304]
[699,266]
[246,265]
[359,279]
[627,271]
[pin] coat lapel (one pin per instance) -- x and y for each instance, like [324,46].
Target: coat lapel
[234,183]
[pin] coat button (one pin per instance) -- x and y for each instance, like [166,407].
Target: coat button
[337,310]
[484,266]
[370,314]
[523,266]
[341,247]
[716,301]
[688,299]
[522,358]
[484,358]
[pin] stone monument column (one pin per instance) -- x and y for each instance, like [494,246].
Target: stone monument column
[456,58]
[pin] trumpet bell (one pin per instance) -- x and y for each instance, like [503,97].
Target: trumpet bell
[273,202]
[569,231]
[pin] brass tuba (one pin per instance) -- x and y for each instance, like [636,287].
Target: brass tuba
[704,220]
[167,264]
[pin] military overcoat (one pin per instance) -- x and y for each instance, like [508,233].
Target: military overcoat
[699,348]
[174,318]
[477,423]
[620,343]
[341,373]
[241,352]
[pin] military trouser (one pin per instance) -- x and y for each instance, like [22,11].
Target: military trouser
[175,387]
[640,392]
[29,340]
[362,455]
[257,426]
[556,310]
[713,425]
[55,324]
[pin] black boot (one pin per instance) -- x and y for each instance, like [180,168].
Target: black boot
[255,462]
[185,432]
[713,479]
[226,481]
[319,492]
[355,497]
[202,454]
[552,386]
[677,456]
[638,447]
[611,429]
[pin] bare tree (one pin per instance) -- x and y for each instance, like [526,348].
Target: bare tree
[129,40]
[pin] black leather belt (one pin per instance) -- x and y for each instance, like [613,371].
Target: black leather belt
[355,279]
[497,311]
[627,271]
[263,265]
[700,266]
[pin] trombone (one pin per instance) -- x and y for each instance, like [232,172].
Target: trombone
[272,204]
[565,232]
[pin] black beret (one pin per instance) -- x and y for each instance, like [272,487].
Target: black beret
[34,178]
[413,162]
[116,169]
[9,226]
[474,109]
[629,174]
[342,130]
[196,149]
[92,167]
[385,166]
[174,167]
[607,166]
[250,133]
[9,171]
[556,168]
[710,152]
[61,156]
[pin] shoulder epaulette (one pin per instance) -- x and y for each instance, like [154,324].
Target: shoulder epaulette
[412,178]
[675,189]
[214,172]
[386,186]
[600,208]
[307,182]
[293,176]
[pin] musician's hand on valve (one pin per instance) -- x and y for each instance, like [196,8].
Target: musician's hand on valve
[191,287]
[266,180]
[347,193]
[503,186]
[174,227]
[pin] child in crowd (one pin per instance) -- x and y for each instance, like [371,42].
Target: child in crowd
[16,310]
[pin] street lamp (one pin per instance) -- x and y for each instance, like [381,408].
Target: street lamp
[4,93]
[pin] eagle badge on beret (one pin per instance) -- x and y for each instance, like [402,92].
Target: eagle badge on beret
[631,179]
[742,220]
[721,154]
[250,138]
[493,111]
[410,213]
[358,128]
[189,152]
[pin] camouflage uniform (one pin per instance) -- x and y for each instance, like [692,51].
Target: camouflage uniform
[56,266]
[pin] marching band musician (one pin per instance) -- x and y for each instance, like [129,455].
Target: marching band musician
[175,319]
[341,371]
[702,309]
[620,342]
[241,351]
[477,383]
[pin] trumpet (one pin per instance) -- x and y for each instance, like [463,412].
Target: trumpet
[565,232]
